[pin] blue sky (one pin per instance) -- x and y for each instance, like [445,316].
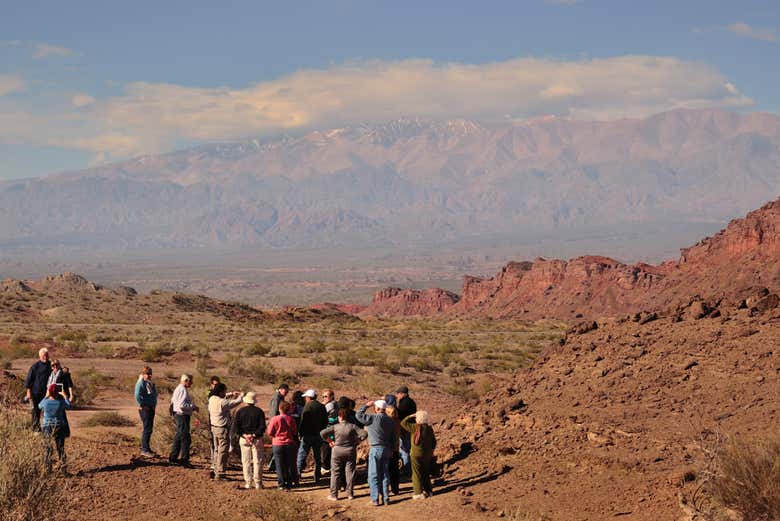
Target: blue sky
[88,82]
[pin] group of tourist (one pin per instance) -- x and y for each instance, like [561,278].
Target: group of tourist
[49,391]
[400,438]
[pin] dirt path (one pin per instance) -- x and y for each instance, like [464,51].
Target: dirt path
[111,482]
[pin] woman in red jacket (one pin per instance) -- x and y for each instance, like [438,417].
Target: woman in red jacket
[283,432]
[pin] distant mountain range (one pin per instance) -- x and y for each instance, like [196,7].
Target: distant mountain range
[409,181]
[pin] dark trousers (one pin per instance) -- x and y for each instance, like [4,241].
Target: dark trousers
[36,412]
[284,456]
[312,442]
[395,472]
[180,450]
[54,435]
[147,420]
[342,468]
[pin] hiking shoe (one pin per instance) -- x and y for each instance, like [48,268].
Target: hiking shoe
[186,464]
[418,496]
[350,498]
[374,503]
[258,486]
[147,454]
[247,486]
[332,498]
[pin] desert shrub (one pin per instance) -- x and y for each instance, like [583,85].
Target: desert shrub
[345,361]
[87,383]
[317,346]
[462,388]
[522,515]
[423,363]
[74,340]
[150,354]
[27,490]
[256,349]
[385,365]
[747,478]
[108,419]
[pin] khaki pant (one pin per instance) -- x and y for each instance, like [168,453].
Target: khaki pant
[220,449]
[252,456]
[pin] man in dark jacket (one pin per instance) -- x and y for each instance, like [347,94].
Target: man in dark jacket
[314,418]
[35,384]
[406,407]
[273,410]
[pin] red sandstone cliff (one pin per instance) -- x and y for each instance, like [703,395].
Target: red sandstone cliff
[743,256]
[397,302]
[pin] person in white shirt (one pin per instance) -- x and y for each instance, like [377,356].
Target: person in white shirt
[219,419]
[182,406]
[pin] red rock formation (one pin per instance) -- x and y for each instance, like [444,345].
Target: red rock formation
[397,302]
[745,255]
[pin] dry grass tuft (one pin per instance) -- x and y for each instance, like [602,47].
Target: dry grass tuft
[748,478]
[108,419]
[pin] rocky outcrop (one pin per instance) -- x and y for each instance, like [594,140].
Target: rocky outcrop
[67,282]
[742,257]
[585,286]
[397,302]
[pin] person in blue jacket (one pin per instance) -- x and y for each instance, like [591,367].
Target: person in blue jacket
[146,398]
[55,424]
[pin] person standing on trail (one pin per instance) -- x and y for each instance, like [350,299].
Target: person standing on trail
[55,424]
[343,437]
[182,406]
[423,445]
[213,382]
[381,430]
[406,407]
[61,379]
[250,427]
[273,410]
[35,384]
[146,398]
[395,458]
[314,418]
[329,401]
[219,419]
[283,432]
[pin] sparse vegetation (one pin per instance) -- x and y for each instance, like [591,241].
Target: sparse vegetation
[108,419]
[273,505]
[747,478]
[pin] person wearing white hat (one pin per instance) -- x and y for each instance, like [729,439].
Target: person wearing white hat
[314,418]
[381,437]
[250,426]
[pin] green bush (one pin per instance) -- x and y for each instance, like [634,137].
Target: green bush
[256,349]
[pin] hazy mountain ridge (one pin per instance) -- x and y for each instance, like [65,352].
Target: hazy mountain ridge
[409,180]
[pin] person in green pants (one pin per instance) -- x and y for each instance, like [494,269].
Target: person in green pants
[423,445]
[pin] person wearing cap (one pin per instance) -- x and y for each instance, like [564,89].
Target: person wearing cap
[423,445]
[406,407]
[219,419]
[381,430]
[183,407]
[283,432]
[314,418]
[250,426]
[343,437]
[55,424]
[146,398]
[35,385]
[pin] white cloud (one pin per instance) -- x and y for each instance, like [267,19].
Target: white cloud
[10,83]
[744,30]
[81,100]
[44,50]
[155,117]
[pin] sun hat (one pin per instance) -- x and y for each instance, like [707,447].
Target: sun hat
[402,389]
[380,404]
[250,397]
[310,393]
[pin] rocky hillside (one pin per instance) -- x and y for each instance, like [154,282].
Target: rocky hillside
[623,408]
[411,182]
[744,256]
[397,302]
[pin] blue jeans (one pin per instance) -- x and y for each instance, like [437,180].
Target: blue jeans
[310,442]
[379,472]
[406,447]
[284,456]
[147,420]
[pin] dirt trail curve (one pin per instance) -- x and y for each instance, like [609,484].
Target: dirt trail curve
[110,482]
